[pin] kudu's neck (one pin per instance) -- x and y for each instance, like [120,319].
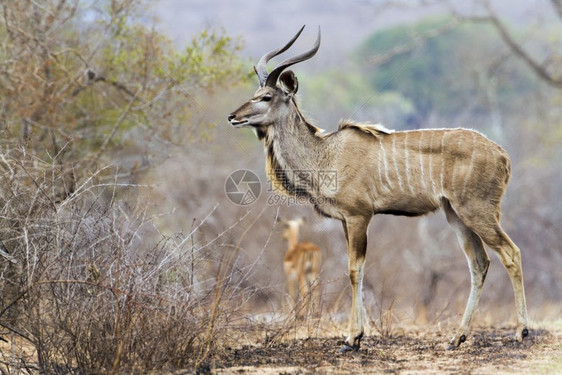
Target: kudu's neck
[296,154]
[296,142]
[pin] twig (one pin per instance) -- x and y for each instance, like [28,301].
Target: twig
[413,43]
[540,69]
[115,127]
[219,291]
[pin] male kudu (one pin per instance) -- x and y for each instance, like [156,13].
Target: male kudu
[381,171]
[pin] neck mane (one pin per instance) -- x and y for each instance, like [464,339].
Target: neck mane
[295,153]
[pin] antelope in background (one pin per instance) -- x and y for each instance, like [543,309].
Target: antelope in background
[380,171]
[301,262]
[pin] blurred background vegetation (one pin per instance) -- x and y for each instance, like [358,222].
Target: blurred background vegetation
[115,229]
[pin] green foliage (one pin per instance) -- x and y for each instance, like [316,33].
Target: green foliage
[350,95]
[96,80]
[338,87]
[445,67]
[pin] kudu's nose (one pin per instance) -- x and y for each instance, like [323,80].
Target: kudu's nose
[231,117]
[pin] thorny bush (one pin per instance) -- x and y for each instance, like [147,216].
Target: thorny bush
[88,285]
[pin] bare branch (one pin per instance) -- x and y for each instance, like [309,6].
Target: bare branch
[416,41]
[538,68]
[93,78]
[122,118]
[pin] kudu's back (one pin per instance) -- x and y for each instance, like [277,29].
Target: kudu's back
[411,172]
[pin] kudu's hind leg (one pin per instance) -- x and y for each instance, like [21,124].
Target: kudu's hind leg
[510,256]
[486,225]
[478,263]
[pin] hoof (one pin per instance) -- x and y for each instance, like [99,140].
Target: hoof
[525,332]
[459,342]
[348,348]
[351,348]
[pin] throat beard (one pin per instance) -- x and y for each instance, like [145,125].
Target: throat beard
[284,178]
[260,132]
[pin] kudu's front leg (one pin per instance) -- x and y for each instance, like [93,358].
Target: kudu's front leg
[356,235]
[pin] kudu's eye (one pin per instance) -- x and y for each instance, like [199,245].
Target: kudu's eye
[266,98]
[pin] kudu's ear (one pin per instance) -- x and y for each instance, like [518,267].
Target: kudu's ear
[289,82]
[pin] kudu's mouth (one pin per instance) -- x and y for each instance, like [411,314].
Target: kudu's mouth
[245,122]
[235,122]
[238,123]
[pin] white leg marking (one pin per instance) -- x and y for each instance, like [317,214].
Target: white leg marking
[356,318]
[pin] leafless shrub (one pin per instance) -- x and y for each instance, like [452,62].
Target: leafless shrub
[384,322]
[88,285]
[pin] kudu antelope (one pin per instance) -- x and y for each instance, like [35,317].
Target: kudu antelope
[386,172]
[301,262]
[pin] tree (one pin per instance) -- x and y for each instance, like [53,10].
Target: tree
[346,91]
[546,67]
[443,67]
[80,83]
[88,94]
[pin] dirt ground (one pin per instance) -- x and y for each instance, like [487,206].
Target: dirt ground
[489,350]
